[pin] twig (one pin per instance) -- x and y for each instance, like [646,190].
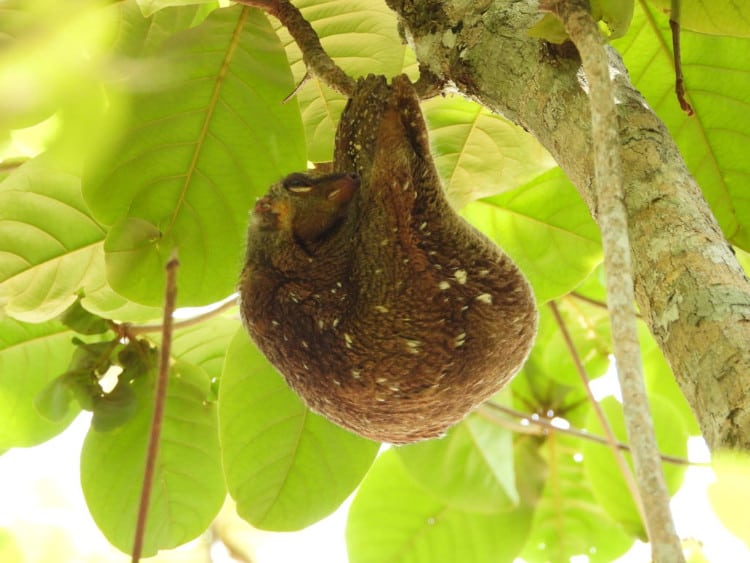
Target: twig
[610,435]
[316,59]
[679,84]
[612,217]
[131,331]
[544,424]
[160,395]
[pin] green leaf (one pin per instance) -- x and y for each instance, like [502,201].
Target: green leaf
[50,52]
[285,466]
[196,154]
[568,521]
[545,227]
[717,82]
[718,17]
[614,15]
[115,408]
[478,153]
[149,7]
[82,321]
[205,344]
[602,472]
[471,468]
[730,494]
[188,486]
[362,37]
[10,551]
[100,299]
[56,401]
[48,241]
[30,357]
[588,327]
[394,520]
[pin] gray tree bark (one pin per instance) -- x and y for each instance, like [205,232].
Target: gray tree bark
[689,287]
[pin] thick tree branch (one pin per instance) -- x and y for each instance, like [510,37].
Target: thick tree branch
[688,284]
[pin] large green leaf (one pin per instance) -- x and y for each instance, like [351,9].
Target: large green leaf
[194,157]
[49,244]
[569,521]
[730,493]
[31,355]
[478,153]
[188,486]
[602,472]
[362,37]
[471,468]
[285,466]
[718,17]
[545,227]
[714,141]
[394,520]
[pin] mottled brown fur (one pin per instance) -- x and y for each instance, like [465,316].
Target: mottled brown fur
[392,317]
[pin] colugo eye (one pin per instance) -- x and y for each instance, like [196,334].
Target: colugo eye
[298,183]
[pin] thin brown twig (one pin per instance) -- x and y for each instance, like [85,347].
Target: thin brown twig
[316,59]
[160,396]
[133,330]
[543,425]
[679,82]
[627,474]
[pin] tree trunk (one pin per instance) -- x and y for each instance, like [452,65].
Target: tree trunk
[690,288]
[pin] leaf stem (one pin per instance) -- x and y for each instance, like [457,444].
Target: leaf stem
[679,83]
[160,396]
[545,424]
[131,331]
[622,465]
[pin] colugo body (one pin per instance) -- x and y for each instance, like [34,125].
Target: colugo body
[381,307]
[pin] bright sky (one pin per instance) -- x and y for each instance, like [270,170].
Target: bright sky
[42,502]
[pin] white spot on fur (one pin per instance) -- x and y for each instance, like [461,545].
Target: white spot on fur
[381,308]
[348,340]
[485,298]
[413,346]
[443,285]
[461,276]
[423,226]
[460,340]
[275,323]
[335,323]
[356,373]
[381,380]
[305,344]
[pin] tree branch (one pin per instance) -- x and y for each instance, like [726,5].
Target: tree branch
[689,286]
[316,59]
[160,396]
